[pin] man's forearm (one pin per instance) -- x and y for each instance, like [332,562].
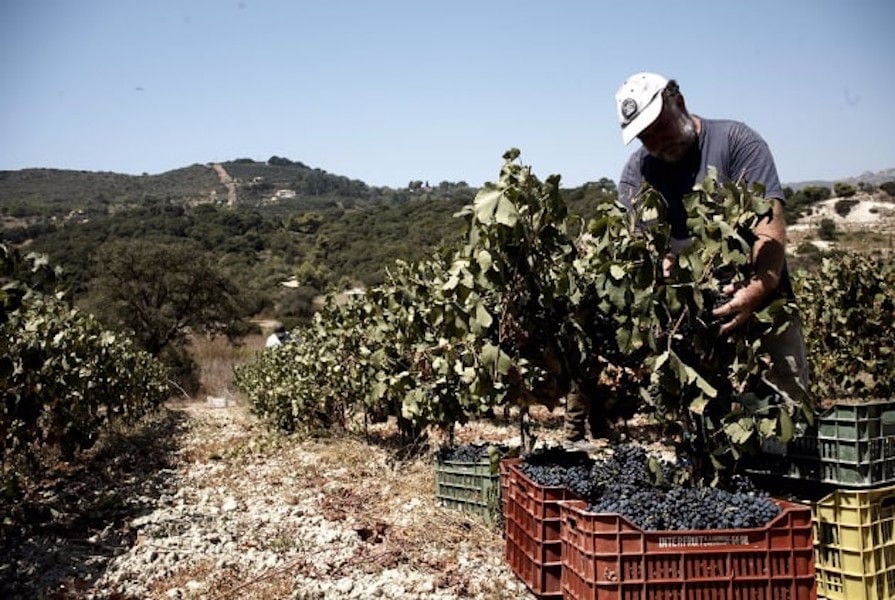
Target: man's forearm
[768,255]
[769,251]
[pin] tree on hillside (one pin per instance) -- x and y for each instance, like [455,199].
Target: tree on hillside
[827,230]
[799,202]
[162,292]
[844,190]
[816,193]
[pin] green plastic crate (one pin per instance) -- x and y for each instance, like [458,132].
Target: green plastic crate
[852,445]
[857,422]
[469,487]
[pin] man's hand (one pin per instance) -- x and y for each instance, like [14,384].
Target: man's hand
[746,300]
[767,263]
[667,264]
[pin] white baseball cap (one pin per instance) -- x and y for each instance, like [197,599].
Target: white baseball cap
[638,103]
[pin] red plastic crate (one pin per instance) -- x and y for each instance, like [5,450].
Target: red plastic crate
[504,475]
[534,544]
[606,557]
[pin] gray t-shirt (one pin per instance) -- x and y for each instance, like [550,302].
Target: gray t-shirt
[735,150]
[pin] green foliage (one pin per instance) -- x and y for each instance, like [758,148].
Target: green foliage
[21,277]
[161,292]
[305,223]
[62,376]
[844,190]
[827,230]
[798,203]
[849,322]
[708,382]
[816,193]
[888,187]
[529,304]
[807,249]
[844,206]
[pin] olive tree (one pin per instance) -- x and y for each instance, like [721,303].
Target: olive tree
[162,292]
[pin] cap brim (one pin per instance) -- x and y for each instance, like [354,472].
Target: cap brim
[643,120]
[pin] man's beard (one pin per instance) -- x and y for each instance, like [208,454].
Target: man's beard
[687,137]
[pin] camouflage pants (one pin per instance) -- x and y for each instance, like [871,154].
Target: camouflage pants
[584,414]
[575,421]
[789,362]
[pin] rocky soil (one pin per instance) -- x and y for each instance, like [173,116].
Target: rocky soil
[203,502]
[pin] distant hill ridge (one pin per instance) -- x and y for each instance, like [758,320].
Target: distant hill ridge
[871,177]
[256,183]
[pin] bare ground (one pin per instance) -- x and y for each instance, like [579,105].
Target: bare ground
[204,502]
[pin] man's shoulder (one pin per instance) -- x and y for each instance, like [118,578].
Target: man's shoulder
[632,172]
[727,127]
[635,160]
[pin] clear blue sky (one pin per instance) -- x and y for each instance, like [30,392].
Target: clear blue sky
[391,91]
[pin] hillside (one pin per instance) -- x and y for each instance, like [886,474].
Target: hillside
[54,193]
[866,221]
[278,186]
[869,177]
[268,222]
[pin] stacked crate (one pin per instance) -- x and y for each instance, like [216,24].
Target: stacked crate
[533,538]
[852,452]
[854,533]
[851,446]
[559,550]
[471,487]
[606,557]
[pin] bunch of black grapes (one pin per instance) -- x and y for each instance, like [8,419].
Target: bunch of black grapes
[631,463]
[585,476]
[643,489]
[557,467]
[469,453]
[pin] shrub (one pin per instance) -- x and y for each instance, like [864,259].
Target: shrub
[816,193]
[844,190]
[844,206]
[807,249]
[827,230]
[849,318]
[63,378]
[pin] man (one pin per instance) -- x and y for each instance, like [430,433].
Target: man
[278,337]
[677,149]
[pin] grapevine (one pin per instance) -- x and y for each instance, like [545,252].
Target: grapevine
[532,304]
[63,378]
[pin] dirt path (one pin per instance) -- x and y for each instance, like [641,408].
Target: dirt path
[219,507]
[227,182]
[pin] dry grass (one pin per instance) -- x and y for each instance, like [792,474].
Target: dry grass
[389,503]
[365,485]
[216,357]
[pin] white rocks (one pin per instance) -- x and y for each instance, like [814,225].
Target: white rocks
[344,586]
[254,516]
